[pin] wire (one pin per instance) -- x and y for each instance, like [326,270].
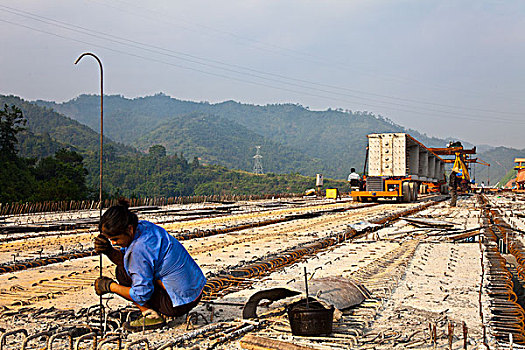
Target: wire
[196,60]
[163,62]
[156,15]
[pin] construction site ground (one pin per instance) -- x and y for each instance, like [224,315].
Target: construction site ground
[429,286]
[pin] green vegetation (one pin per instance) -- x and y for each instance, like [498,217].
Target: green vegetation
[53,178]
[292,137]
[71,171]
[215,140]
[11,123]
[162,134]
[59,177]
[510,175]
[158,174]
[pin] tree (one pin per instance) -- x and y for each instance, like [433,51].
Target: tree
[62,177]
[17,182]
[157,151]
[12,121]
[195,163]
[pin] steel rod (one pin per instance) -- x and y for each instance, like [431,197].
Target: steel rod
[100,153]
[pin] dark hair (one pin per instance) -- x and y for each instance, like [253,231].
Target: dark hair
[117,219]
[352,170]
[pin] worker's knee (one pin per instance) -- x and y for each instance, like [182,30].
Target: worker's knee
[161,302]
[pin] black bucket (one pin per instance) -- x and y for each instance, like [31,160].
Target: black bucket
[312,320]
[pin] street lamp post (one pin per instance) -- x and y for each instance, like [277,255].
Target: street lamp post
[101,152]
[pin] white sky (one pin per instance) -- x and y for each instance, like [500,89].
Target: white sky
[446,68]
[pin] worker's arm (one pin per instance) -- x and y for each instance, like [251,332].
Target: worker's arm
[116,256]
[140,268]
[121,290]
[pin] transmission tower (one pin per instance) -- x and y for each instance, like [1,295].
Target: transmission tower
[257,165]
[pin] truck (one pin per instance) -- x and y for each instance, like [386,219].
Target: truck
[399,167]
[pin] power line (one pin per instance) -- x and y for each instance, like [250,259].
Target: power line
[192,58]
[138,45]
[167,63]
[280,49]
[197,59]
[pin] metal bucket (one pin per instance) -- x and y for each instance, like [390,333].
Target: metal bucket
[310,321]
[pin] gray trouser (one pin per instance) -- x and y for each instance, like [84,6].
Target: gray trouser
[453,196]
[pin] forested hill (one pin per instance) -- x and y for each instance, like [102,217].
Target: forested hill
[47,131]
[215,140]
[330,142]
[501,161]
[58,143]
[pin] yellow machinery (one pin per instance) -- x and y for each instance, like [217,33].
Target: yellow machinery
[520,177]
[460,168]
[461,161]
[332,193]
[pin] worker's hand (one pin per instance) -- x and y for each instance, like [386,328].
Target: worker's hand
[102,285]
[102,245]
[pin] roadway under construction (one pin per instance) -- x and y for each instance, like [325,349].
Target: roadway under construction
[426,275]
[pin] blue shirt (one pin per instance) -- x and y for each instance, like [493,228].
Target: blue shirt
[155,255]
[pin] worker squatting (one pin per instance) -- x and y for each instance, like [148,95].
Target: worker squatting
[153,270]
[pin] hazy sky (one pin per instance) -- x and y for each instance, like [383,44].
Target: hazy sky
[446,68]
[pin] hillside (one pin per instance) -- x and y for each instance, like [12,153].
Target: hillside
[48,131]
[501,161]
[215,140]
[53,130]
[329,141]
[130,172]
[144,114]
[337,138]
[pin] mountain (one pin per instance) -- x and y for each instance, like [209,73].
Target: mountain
[48,131]
[215,140]
[484,148]
[54,130]
[328,142]
[125,120]
[337,138]
[130,172]
[501,161]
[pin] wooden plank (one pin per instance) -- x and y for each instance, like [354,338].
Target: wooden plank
[465,235]
[253,342]
[428,222]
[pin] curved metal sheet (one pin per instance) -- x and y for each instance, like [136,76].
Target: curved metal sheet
[340,292]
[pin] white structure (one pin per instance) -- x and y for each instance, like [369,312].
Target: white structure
[400,155]
[319,180]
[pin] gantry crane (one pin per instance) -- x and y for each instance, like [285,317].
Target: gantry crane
[462,159]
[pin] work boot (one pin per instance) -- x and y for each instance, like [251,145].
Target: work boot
[149,320]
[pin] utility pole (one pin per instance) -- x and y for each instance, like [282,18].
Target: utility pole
[257,164]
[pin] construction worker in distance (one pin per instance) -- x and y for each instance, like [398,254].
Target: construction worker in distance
[153,270]
[453,182]
[355,180]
